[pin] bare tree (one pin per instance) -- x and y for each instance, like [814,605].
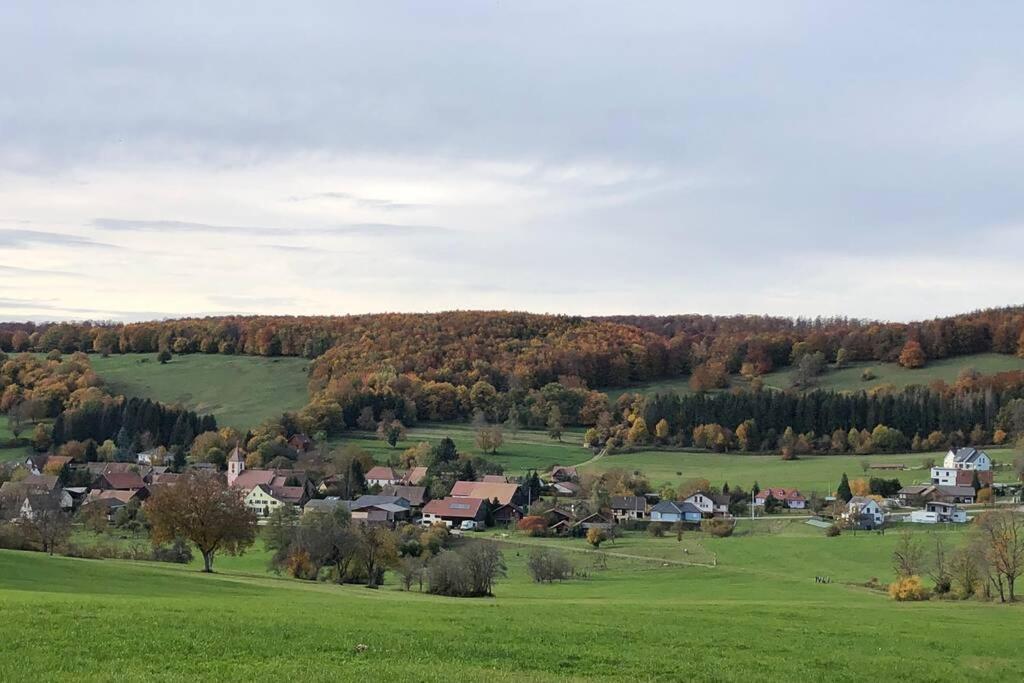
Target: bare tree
[1003,532]
[908,557]
[939,569]
[49,526]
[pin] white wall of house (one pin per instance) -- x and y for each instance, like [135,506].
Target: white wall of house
[944,476]
[705,504]
[982,463]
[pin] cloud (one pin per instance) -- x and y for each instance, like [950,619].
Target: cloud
[361,202]
[24,239]
[15,270]
[360,229]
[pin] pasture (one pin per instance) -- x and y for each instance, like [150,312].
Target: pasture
[849,378]
[758,614]
[520,453]
[241,391]
[820,473]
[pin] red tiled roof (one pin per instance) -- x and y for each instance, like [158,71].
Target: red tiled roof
[250,479]
[481,489]
[782,494]
[124,481]
[381,472]
[460,508]
[414,476]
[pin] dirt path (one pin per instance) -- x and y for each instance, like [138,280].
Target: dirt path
[604,452]
[612,553]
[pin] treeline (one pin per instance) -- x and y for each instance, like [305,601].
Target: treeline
[37,388]
[512,350]
[132,424]
[920,418]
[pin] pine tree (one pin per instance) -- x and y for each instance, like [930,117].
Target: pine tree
[755,489]
[725,489]
[844,492]
[975,482]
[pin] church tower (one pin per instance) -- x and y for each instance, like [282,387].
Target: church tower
[236,464]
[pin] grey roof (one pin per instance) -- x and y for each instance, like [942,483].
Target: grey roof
[328,504]
[955,490]
[861,500]
[637,503]
[967,455]
[914,490]
[377,501]
[675,507]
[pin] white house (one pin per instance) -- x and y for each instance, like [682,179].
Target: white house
[709,504]
[868,513]
[967,459]
[382,476]
[936,512]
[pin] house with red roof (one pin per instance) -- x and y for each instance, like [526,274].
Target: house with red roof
[791,498]
[382,476]
[453,511]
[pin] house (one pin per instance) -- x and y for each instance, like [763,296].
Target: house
[791,498]
[709,504]
[565,488]
[414,476]
[628,507]
[594,521]
[453,510]
[382,476]
[300,443]
[18,499]
[559,473]
[372,508]
[119,481]
[506,514]
[909,495]
[865,512]
[325,505]
[669,511]
[952,476]
[937,512]
[246,480]
[416,495]
[263,499]
[954,494]
[505,494]
[967,459]
[123,497]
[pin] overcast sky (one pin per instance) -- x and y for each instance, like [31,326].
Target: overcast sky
[162,159]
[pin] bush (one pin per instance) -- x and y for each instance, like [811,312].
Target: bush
[469,571]
[718,527]
[833,530]
[909,588]
[178,552]
[867,376]
[596,537]
[656,529]
[548,565]
[534,525]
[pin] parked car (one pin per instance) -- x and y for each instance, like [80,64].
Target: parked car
[471,525]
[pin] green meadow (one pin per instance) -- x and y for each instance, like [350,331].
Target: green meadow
[521,452]
[757,615]
[241,391]
[849,378]
[820,473]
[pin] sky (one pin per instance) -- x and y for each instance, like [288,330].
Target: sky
[787,158]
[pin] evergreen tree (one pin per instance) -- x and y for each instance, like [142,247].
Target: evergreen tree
[725,489]
[843,492]
[975,482]
[466,471]
[755,489]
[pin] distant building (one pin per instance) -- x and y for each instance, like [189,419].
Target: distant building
[967,459]
[791,498]
[675,511]
[937,512]
[865,512]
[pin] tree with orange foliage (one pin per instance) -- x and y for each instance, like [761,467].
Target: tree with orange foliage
[533,525]
[912,355]
[860,487]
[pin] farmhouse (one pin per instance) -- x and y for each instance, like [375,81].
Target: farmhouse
[118,481]
[382,476]
[791,498]
[414,476]
[594,521]
[628,507]
[453,510]
[910,495]
[864,513]
[505,494]
[954,494]
[967,459]
[936,512]
[675,511]
[560,473]
[263,499]
[380,508]
[416,495]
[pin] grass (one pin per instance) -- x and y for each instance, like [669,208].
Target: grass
[819,473]
[526,450]
[849,378]
[758,611]
[241,391]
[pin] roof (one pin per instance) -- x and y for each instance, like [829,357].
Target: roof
[636,503]
[250,479]
[377,501]
[380,473]
[47,482]
[593,518]
[957,491]
[482,489]
[780,493]
[939,503]
[125,481]
[559,470]
[495,479]
[416,495]
[861,501]
[62,460]
[913,490]
[967,454]
[415,476]
[120,496]
[675,507]
[570,486]
[236,455]
[460,508]
[966,477]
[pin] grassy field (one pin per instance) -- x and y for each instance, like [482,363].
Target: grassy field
[527,450]
[849,378]
[757,615]
[241,391]
[820,473]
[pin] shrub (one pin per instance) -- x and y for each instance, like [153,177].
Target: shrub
[548,565]
[718,527]
[178,552]
[867,376]
[833,530]
[596,537]
[534,525]
[656,529]
[908,589]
